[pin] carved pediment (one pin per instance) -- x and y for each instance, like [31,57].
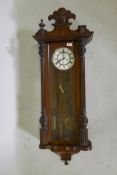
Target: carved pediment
[62,31]
[61,17]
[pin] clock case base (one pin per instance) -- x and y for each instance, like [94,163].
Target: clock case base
[63,33]
[66,151]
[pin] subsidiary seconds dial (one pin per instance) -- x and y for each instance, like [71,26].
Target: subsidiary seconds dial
[63,58]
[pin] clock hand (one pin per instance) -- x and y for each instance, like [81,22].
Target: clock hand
[63,51]
[61,59]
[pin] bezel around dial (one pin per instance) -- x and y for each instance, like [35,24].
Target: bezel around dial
[63,58]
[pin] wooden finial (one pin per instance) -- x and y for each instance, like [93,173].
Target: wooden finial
[41,25]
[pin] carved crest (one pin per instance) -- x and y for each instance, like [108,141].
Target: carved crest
[61,17]
[62,31]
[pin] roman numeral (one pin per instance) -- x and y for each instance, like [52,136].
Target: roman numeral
[56,62]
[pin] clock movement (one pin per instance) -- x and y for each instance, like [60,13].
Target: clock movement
[63,108]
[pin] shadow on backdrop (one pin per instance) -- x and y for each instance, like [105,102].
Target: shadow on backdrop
[28,83]
[27,67]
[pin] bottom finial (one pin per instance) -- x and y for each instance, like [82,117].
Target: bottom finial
[66,162]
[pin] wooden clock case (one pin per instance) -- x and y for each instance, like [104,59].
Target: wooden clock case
[73,80]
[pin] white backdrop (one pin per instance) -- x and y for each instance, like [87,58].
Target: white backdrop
[20,88]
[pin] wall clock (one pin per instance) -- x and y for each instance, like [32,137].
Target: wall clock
[63,116]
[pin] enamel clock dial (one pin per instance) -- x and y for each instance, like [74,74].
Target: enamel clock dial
[63,106]
[63,58]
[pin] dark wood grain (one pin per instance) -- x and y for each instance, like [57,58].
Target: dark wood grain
[63,116]
[63,105]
